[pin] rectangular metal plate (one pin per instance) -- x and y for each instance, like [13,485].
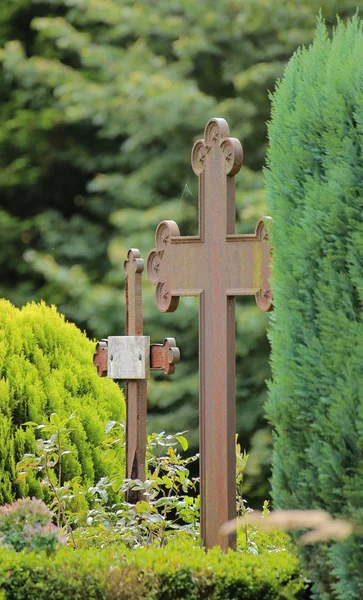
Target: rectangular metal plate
[129,357]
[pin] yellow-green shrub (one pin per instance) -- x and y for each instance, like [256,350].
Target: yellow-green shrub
[45,367]
[178,571]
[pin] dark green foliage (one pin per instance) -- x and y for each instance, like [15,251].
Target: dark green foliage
[315,196]
[100,105]
[176,572]
[46,367]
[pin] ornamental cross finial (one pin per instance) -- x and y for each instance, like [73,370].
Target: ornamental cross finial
[216,265]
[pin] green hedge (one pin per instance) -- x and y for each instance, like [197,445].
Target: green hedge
[315,196]
[45,367]
[178,571]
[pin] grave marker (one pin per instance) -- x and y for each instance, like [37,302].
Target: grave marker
[217,265]
[130,358]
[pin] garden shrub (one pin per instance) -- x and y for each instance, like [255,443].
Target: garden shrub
[170,500]
[27,525]
[46,367]
[315,197]
[178,571]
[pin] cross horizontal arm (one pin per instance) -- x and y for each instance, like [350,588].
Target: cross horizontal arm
[248,264]
[185,266]
[177,265]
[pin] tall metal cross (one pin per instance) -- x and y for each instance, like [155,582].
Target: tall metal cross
[215,265]
[130,358]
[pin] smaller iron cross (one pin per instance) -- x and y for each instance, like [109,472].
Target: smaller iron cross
[130,358]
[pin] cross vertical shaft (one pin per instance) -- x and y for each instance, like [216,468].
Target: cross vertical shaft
[217,417]
[136,391]
[216,338]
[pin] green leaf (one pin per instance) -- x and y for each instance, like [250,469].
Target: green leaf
[143,507]
[108,455]
[183,442]
[167,482]
[117,483]
[55,420]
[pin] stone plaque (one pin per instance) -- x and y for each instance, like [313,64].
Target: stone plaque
[129,357]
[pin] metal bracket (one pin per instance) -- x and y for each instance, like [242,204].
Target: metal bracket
[165,356]
[100,358]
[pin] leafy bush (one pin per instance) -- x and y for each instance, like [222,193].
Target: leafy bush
[169,502]
[178,571]
[27,524]
[67,498]
[315,196]
[46,367]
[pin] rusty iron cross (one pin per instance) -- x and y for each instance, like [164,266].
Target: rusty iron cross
[215,265]
[129,358]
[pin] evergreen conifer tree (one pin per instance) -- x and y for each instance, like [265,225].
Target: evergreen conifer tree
[46,367]
[315,196]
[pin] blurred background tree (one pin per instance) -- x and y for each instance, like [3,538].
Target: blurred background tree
[101,102]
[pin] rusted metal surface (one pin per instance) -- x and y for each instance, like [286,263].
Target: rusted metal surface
[130,358]
[136,391]
[215,265]
[100,358]
[164,356]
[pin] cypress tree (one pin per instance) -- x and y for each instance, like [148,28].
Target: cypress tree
[315,196]
[46,367]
